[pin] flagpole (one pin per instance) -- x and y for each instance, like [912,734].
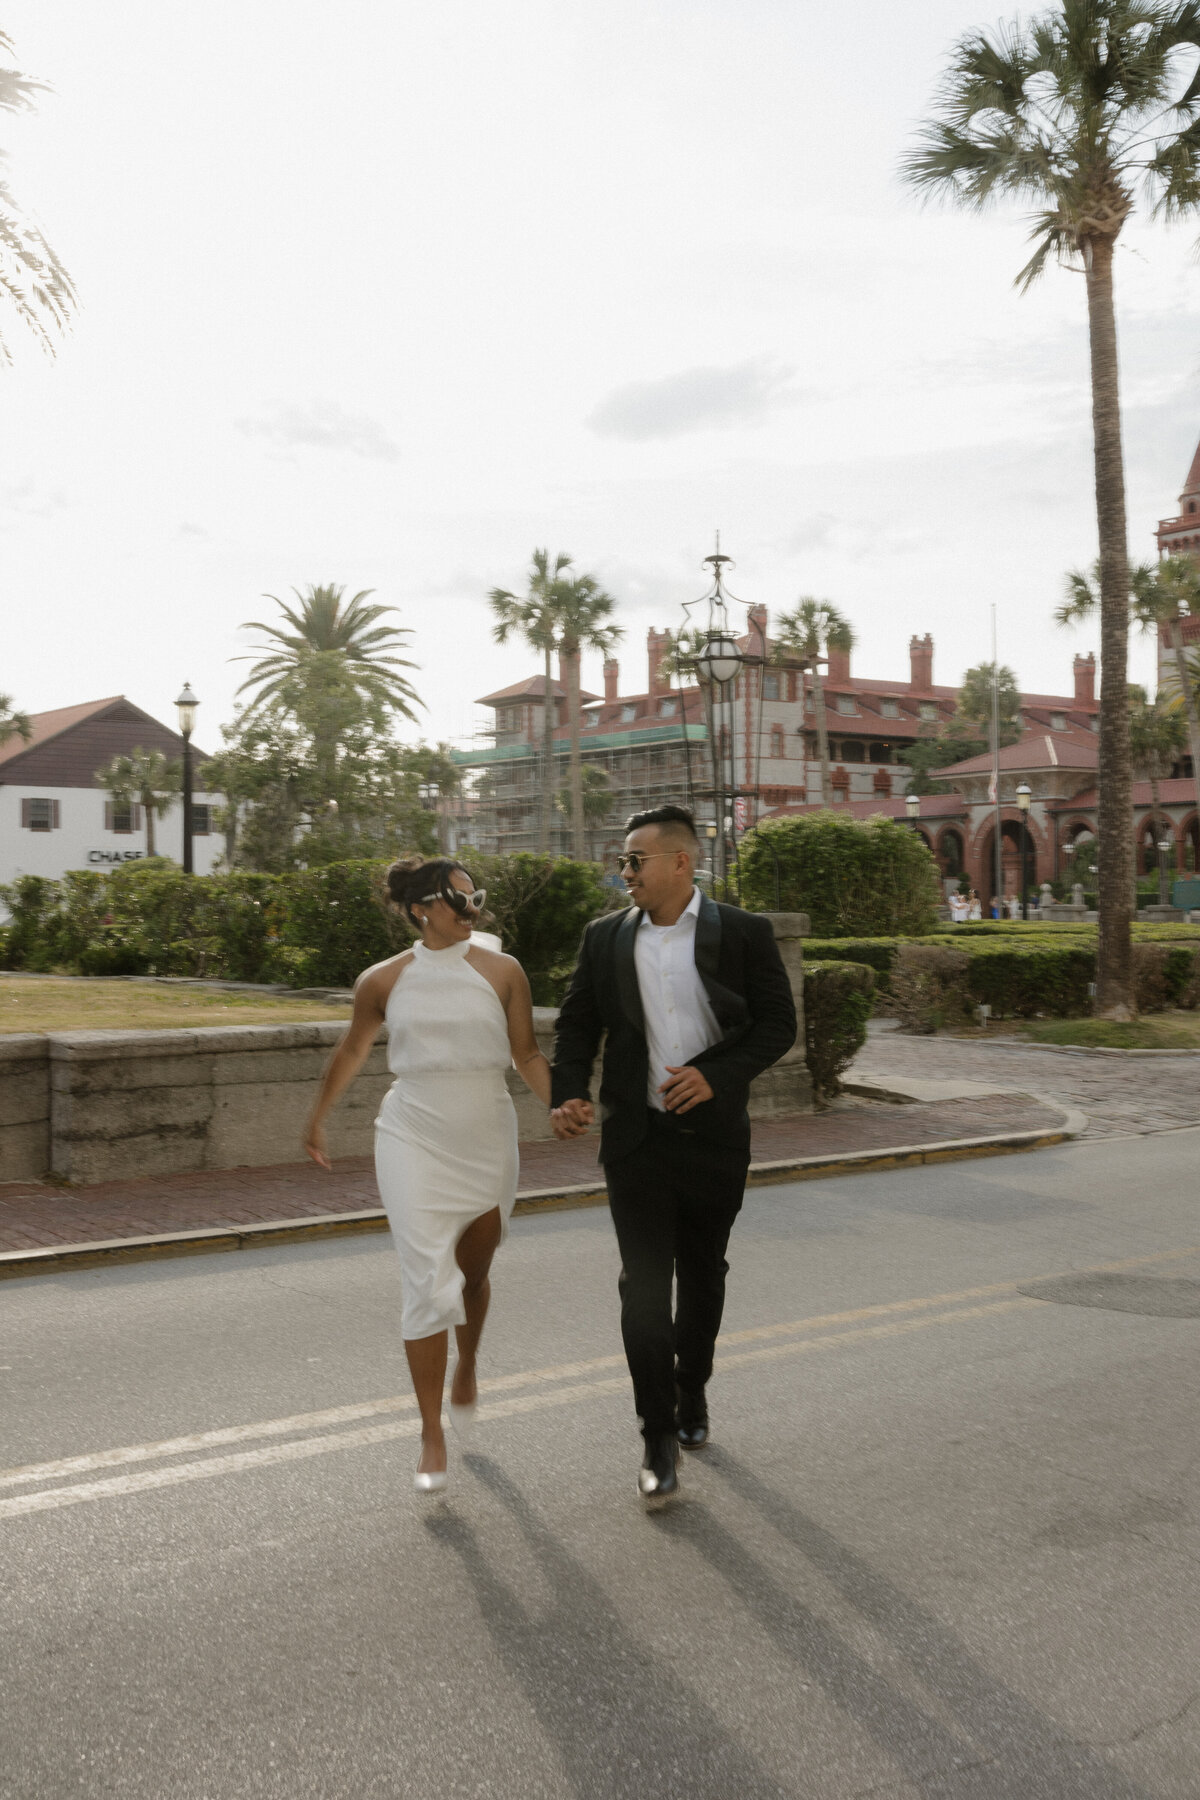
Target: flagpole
[998,872]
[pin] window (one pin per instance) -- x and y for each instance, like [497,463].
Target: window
[928,710]
[778,747]
[123,818]
[852,751]
[202,820]
[810,704]
[591,718]
[629,712]
[1058,722]
[41,815]
[890,709]
[881,753]
[845,703]
[770,687]
[666,709]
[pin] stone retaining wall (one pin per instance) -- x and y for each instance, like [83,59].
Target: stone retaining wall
[88,1106]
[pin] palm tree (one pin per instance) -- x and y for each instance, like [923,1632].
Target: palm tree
[1157,738]
[597,796]
[582,613]
[1082,110]
[811,630]
[31,277]
[13,723]
[345,637]
[1161,594]
[147,778]
[530,615]
[439,771]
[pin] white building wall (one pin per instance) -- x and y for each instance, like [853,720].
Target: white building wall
[82,842]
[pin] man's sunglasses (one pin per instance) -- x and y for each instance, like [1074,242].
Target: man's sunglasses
[457,900]
[633,862]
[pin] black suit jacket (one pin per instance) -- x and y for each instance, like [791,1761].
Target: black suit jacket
[747,988]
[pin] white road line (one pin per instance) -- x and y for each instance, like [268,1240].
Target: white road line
[122,1456]
[52,1499]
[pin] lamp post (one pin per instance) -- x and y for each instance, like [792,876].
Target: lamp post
[187,704]
[912,806]
[1023,798]
[1164,844]
[427,793]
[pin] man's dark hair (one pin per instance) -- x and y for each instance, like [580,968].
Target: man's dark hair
[675,822]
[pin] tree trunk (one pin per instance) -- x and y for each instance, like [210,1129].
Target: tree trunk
[1189,698]
[1114,878]
[547,758]
[822,734]
[149,826]
[578,828]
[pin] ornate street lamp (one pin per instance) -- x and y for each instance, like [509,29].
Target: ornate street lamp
[716,665]
[912,805]
[187,704]
[1164,844]
[1024,796]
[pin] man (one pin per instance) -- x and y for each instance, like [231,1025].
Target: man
[695,1003]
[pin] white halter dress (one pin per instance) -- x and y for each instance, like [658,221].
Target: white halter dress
[446,1135]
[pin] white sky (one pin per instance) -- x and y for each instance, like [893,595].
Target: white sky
[388,293]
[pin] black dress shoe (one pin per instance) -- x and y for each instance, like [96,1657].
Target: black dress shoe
[658,1477]
[691,1421]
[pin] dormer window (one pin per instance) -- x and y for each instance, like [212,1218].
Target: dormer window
[1191,506]
[1058,722]
[666,709]
[928,710]
[845,703]
[629,712]
[890,709]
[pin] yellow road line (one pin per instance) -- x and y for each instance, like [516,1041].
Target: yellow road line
[558,1373]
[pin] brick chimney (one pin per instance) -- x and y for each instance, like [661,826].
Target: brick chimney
[657,643]
[757,622]
[920,662]
[839,666]
[612,678]
[1085,679]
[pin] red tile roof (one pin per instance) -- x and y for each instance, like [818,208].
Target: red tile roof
[533,688]
[933,806]
[1036,750]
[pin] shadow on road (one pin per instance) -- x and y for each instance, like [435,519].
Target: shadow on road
[622,1722]
[1008,1751]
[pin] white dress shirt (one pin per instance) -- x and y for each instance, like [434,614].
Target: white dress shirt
[680,1023]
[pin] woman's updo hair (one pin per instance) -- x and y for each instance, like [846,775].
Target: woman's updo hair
[411,879]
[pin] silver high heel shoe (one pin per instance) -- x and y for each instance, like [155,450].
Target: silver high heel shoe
[430,1484]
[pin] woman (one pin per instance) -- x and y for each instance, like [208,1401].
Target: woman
[974,908]
[457,1016]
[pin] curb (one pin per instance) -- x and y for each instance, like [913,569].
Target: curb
[61,1259]
[1072,1049]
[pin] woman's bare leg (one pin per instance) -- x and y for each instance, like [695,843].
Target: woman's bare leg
[474,1252]
[427,1366]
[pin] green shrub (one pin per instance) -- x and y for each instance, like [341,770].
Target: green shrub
[929,986]
[855,878]
[837,1004]
[332,923]
[540,905]
[1163,975]
[1021,983]
[878,953]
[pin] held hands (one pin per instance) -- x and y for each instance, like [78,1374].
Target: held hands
[315,1146]
[572,1119]
[685,1088]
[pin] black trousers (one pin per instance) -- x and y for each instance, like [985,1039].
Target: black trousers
[673,1202]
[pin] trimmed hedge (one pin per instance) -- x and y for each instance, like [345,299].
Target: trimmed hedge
[1047,972]
[854,877]
[929,986]
[308,928]
[837,1004]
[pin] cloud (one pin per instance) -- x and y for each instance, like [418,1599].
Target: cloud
[188,529]
[703,399]
[322,425]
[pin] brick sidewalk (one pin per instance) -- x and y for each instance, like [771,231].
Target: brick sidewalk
[34,1216]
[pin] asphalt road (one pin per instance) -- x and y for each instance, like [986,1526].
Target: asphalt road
[946,1541]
